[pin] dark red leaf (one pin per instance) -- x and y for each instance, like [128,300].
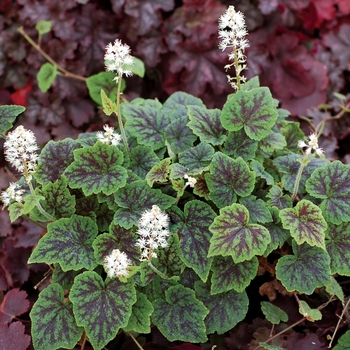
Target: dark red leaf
[12,336]
[19,97]
[14,304]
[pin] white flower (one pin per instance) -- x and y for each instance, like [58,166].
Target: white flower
[153,231]
[108,136]
[116,264]
[12,193]
[311,146]
[116,56]
[191,181]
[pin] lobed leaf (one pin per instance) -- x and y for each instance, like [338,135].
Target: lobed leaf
[142,159]
[261,172]
[197,158]
[273,313]
[159,172]
[8,114]
[179,101]
[238,144]
[102,81]
[257,208]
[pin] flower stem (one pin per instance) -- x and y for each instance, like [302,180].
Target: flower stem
[303,162]
[161,274]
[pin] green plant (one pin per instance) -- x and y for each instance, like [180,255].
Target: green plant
[166,229]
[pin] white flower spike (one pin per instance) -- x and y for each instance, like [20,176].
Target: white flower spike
[116,264]
[312,146]
[109,137]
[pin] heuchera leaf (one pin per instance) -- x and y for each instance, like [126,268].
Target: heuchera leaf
[233,235]
[159,172]
[64,278]
[292,134]
[102,81]
[332,185]
[102,307]
[226,309]
[334,288]
[13,337]
[238,144]
[305,222]
[8,114]
[53,322]
[304,271]
[15,211]
[310,314]
[257,208]
[252,110]
[228,178]
[180,316]
[46,76]
[195,236]
[69,243]
[142,159]
[97,169]
[54,159]
[278,199]
[179,101]
[108,105]
[273,313]
[272,142]
[206,124]
[261,172]
[229,275]
[197,158]
[15,303]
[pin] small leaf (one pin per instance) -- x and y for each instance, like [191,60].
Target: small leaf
[273,313]
[306,223]
[343,342]
[69,243]
[53,322]
[13,336]
[261,172]
[43,27]
[269,347]
[304,271]
[278,199]
[292,134]
[30,202]
[138,67]
[233,235]
[46,76]
[197,159]
[8,114]
[257,208]
[15,303]
[102,307]
[272,142]
[179,101]
[159,172]
[334,288]
[102,81]
[311,315]
[238,144]
[108,105]
[180,316]
[15,211]
[97,169]
[252,110]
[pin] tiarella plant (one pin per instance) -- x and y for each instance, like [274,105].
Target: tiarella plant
[165,223]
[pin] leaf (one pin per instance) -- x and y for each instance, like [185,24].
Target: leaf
[64,278]
[69,243]
[269,347]
[108,105]
[53,321]
[304,271]
[159,172]
[97,169]
[46,76]
[15,211]
[257,208]
[13,337]
[15,303]
[138,67]
[278,199]
[43,27]
[252,110]
[30,202]
[102,81]
[334,288]
[305,222]
[206,124]
[195,236]
[238,144]
[343,342]
[311,315]
[142,159]
[272,142]
[228,275]
[102,307]
[292,134]
[228,178]
[233,235]
[8,114]
[261,172]
[332,185]
[180,316]
[273,313]
[197,158]
[226,309]
[54,159]
[133,199]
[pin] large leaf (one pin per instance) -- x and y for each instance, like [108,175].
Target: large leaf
[253,110]
[195,236]
[226,309]
[102,307]
[69,243]
[233,235]
[304,271]
[97,169]
[332,185]
[8,114]
[180,316]
[228,178]
[197,159]
[53,322]
[305,222]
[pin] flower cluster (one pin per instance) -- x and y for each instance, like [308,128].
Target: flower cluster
[153,231]
[12,193]
[232,32]
[312,146]
[20,151]
[116,264]
[117,55]
[108,136]
[191,181]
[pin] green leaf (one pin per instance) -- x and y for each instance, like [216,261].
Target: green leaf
[226,309]
[272,142]
[334,288]
[305,222]
[30,202]
[108,105]
[206,124]
[269,347]
[311,315]
[292,134]
[233,235]
[8,114]
[142,159]
[69,243]
[159,172]
[43,27]
[197,159]
[304,271]
[343,342]
[238,144]
[53,322]
[278,199]
[273,313]
[332,185]
[133,199]
[54,159]
[257,208]
[138,67]
[102,81]
[180,316]
[179,101]
[195,236]
[228,178]
[97,169]
[228,275]
[15,211]
[46,76]
[252,110]
[64,278]
[261,172]
[102,307]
